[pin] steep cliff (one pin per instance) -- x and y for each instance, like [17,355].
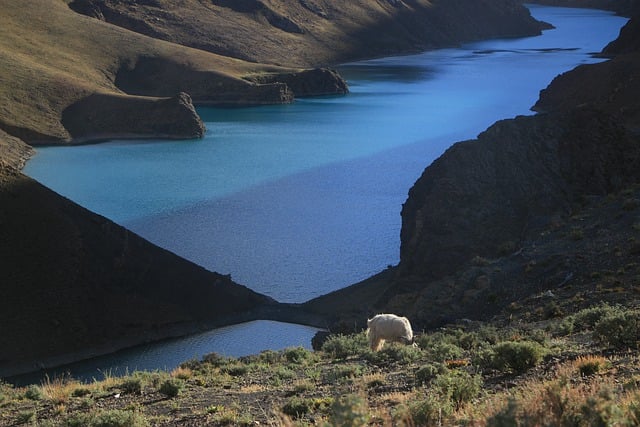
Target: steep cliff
[75,284]
[612,86]
[315,32]
[483,197]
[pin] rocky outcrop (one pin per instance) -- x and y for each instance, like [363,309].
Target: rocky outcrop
[612,86]
[315,82]
[108,116]
[483,197]
[315,32]
[629,39]
[13,151]
[75,284]
[153,76]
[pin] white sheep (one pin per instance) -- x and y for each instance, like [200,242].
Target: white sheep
[388,327]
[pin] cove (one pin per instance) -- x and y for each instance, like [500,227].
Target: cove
[299,200]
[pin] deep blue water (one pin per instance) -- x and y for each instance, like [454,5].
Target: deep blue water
[298,200]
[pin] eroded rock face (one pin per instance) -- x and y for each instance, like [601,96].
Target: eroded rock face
[482,197]
[107,116]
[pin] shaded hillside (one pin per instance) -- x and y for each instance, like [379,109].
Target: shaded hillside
[315,32]
[613,86]
[622,7]
[539,203]
[55,63]
[75,284]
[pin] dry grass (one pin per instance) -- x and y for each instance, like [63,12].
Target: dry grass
[50,57]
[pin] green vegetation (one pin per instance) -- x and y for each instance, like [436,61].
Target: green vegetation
[454,376]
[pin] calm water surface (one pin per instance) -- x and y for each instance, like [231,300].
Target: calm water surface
[298,200]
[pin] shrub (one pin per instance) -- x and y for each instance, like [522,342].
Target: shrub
[25,417]
[171,387]
[132,385]
[108,418]
[458,386]
[236,369]
[400,353]
[297,407]
[506,417]
[80,392]
[349,411]
[343,346]
[428,372]
[620,330]
[297,355]
[445,351]
[428,412]
[343,372]
[587,318]
[33,392]
[515,356]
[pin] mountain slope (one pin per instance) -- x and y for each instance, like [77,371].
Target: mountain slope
[315,32]
[75,284]
[52,58]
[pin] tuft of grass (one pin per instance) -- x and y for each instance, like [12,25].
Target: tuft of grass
[590,365]
[59,389]
[181,372]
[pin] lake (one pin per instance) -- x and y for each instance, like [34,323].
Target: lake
[298,200]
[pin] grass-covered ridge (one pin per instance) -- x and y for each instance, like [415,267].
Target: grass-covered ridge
[51,57]
[580,370]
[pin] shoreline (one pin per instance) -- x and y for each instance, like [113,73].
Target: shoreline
[279,312]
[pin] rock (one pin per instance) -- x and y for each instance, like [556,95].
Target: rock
[107,116]
[629,39]
[154,76]
[482,193]
[613,84]
[13,151]
[314,82]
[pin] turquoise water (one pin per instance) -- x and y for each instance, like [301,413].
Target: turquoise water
[298,200]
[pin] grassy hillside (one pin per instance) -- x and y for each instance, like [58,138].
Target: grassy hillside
[52,57]
[582,369]
[315,32]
